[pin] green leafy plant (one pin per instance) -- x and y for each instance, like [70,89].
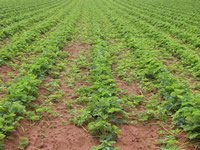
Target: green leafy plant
[23,142]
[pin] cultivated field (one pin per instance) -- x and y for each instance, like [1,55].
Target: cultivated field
[100,74]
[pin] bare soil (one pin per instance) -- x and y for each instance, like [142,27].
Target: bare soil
[4,70]
[136,136]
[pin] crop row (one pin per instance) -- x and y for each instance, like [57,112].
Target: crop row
[104,109]
[13,49]
[188,57]
[165,18]
[179,17]
[24,91]
[23,9]
[178,98]
[18,27]
[190,37]
[25,57]
[164,5]
[13,19]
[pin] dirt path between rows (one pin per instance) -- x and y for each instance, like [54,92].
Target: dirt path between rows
[6,74]
[135,136]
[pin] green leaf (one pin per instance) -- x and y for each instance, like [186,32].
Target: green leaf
[192,136]
[2,136]
[112,110]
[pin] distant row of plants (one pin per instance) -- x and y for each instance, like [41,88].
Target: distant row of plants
[165,21]
[26,15]
[9,8]
[28,20]
[21,43]
[185,14]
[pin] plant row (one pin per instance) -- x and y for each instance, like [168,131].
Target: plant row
[25,89]
[158,39]
[190,20]
[165,18]
[14,19]
[181,10]
[179,100]
[28,23]
[190,36]
[20,45]
[30,6]
[104,109]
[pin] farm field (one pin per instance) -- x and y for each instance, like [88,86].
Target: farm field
[99,75]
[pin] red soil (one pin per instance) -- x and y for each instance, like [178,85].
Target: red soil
[4,70]
[138,137]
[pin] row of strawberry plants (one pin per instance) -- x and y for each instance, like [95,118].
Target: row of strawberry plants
[21,63]
[20,45]
[24,91]
[167,20]
[185,19]
[178,98]
[188,57]
[13,19]
[161,52]
[28,23]
[7,6]
[24,58]
[103,106]
[147,16]
[181,12]
[23,8]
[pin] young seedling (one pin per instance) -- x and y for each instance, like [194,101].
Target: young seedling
[23,143]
